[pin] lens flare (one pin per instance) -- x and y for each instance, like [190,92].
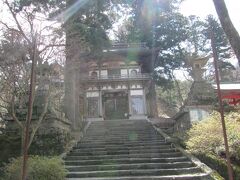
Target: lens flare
[70,11]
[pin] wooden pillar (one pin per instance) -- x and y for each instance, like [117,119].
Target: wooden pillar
[144,101]
[100,103]
[129,100]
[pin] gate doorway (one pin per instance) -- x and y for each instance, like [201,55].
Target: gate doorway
[115,105]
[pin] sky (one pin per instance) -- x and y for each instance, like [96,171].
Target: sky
[202,8]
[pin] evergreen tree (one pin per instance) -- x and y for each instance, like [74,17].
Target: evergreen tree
[222,46]
[197,41]
[159,24]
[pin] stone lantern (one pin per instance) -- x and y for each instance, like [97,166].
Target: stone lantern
[197,65]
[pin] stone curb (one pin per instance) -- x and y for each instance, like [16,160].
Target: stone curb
[74,143]
[195,160]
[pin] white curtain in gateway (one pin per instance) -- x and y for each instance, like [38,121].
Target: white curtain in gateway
[137,105]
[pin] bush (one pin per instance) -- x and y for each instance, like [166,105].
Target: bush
[39,168]
[205,140]
[50,143]
[10,146]
[206,136]
[218,164]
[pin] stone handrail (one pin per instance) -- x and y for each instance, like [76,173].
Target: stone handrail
[174,143]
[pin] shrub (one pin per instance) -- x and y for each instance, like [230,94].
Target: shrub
[40,168]
[218,164]
[10,146]
[206,136]
[50,143]
[205,140]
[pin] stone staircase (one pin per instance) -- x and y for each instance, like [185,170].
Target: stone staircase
[128,150]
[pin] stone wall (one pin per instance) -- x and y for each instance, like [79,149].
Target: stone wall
[201,99]
[182,122]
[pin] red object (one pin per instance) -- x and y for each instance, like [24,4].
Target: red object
[234,97]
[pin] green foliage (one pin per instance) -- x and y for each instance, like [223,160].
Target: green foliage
[222,45]
[85,22]
[40,168]
[205,140]
[197,41]
[160,25]
[218,164]
[48,144]
[206,136]
[88,26]
[51,143]
[171,95]
[221,42]
[9,147]
[171,31]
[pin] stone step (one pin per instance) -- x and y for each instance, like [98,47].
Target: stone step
[122,128]
[119,123]
[114,148]
[125,137]
[119,140]
[124,161]
[198,176]
[128,150]
[130,166]
[134,172]
[114,134]
[142,155]
[119,127]
[127,125]
[123,151]
[118,143]
[95,133]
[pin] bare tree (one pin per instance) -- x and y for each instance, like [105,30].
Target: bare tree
[30,42]
[228,26]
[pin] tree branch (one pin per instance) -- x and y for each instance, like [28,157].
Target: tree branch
[4,107]
[5,101]
[10,28]
[13,114]
[17,23]
[50,46]
[41,118]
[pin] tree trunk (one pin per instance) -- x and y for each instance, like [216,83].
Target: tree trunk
[22,139]
[153,101]
[230,30]
[32,86]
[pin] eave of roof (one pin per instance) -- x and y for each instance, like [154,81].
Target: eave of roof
[228,86]
[127,51]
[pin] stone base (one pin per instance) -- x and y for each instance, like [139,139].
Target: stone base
[94,119]
[138,117]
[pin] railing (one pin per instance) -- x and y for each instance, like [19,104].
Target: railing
[145,76]
[128,45]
